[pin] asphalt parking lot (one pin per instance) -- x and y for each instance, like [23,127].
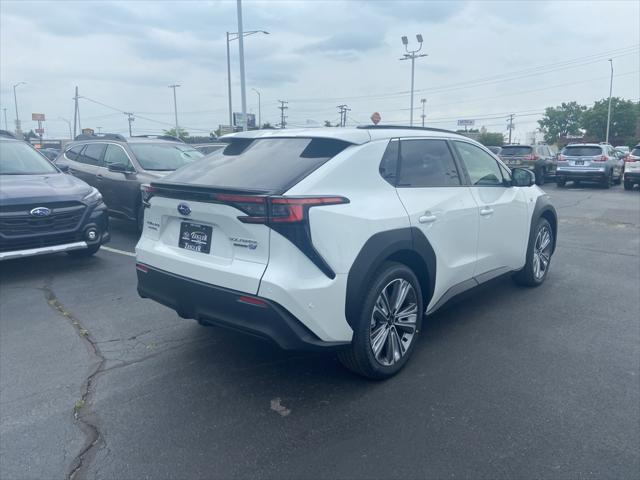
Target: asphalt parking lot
[509,383]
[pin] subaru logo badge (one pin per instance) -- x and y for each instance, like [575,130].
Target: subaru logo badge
[184,209]
[40,212]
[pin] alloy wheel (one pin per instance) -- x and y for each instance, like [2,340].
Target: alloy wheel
[393,322]
[542,252]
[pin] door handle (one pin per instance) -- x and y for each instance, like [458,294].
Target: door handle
[427,218]
[485,211]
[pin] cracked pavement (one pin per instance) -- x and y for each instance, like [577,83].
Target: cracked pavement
[98,383]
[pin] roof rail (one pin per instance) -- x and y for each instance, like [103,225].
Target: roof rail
[101,136]
[404,127]
[160,137]
[6,134]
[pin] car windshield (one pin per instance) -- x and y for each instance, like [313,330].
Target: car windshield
[18,158]
[582,151]
[515,150]
[164,156]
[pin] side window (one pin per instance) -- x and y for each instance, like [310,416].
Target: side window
[92,155]
[427,163]
[73,152]
[115,154]
[482,167]
[389,163]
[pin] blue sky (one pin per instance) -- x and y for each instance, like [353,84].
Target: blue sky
[485,60]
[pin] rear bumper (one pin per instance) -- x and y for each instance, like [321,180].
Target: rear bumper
[632,177]
[223,307]
[569,173]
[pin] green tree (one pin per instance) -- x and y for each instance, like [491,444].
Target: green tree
[625,115]
[491,138]
[561,121]
[182,133]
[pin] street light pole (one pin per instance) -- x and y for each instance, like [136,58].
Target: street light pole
[15,99]
[259,109]
[243,91]
[175,107]
[424,102]
[6,124]
[609,111]
[230,38]
[412,55]
[69,124]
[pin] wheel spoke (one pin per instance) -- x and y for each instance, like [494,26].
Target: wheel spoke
[401,294]
[546,240]
[544,259]
[536,265]
[378,339]
[394,343]
[385,304]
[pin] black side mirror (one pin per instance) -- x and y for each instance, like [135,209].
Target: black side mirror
[117,167]
[522,177]
[63,167]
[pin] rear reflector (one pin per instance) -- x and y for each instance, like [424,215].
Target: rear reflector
[253,301]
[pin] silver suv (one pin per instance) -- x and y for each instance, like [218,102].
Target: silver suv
[590,162]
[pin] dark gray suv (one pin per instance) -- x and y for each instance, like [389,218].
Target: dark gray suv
[117,166]
[537,158]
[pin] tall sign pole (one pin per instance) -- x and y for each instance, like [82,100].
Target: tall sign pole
[243,90]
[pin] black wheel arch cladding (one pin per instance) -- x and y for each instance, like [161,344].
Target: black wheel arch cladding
[406,245]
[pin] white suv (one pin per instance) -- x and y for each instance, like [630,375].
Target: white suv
[340,238]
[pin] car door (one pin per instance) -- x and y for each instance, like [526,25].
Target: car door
[73,159]
[121,190]
[503,212]
[433,193]
[86,165]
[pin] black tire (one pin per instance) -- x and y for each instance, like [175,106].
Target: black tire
[540,177]
[85,252]
[528,276]
[607,182]
[359,357]
[628,186]
[618,180]
[561,182]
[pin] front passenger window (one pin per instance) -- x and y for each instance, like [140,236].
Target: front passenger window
[482,168]
[116,154]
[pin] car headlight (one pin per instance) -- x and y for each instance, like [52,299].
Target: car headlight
[94,196]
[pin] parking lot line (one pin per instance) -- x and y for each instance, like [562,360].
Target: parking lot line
[121,252]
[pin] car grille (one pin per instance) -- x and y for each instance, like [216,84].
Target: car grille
[16,221]
[39,241]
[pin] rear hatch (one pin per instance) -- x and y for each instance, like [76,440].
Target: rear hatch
[515,155]
[211,221]
[582,156]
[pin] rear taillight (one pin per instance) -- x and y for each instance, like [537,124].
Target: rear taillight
[562,158]
[147,192]
[601,158]
[631,158]
[531,156]
[272,210]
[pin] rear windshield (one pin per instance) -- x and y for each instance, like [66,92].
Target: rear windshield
[515,150]
[636,152]
[18,158]
[164,156]
[269,165]
[582,151]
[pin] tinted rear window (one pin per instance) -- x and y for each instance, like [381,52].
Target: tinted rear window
[270,165]
[582,151]
[515,150]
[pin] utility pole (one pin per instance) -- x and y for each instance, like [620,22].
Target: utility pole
[6,124]
[283,117]
[510,126]
[229,84]
[243,88]
[259,109]
[609,111]
[130,118]
[75,113]
[343,114]
[99,129]
[412,55]
[175,107]
[424,102]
